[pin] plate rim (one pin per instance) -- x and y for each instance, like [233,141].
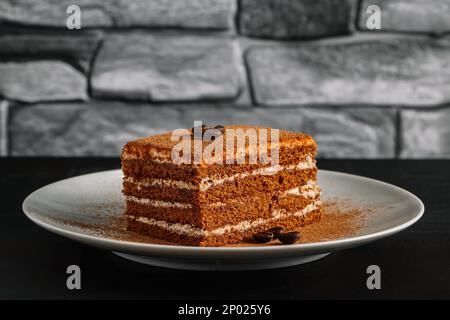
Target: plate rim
[86,238]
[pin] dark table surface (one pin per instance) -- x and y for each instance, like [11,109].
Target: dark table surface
[414,263]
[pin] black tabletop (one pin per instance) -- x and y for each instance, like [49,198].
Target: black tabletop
[414,263]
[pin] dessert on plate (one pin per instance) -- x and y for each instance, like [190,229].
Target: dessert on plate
[244,180]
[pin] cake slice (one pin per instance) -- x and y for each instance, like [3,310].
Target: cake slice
[202,203]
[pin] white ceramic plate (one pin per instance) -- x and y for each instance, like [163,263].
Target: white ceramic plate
[92,198]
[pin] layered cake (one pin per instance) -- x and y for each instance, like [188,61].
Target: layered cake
[218,198]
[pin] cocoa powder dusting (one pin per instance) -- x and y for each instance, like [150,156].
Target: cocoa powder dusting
[338,221]
[341,219]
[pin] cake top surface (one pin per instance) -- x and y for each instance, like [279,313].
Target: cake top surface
[164,141]
[161,145]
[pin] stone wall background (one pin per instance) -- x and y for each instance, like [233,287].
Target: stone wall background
[139,67]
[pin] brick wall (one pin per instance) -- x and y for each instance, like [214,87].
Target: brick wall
[139,67]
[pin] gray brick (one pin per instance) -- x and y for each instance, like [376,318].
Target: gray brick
[389,72]
[167,67]
[352,132]
[425,134]
[287,19]
[3,128]
[409,15]
[79,129]
[122,13]
[41,81]
[77,48]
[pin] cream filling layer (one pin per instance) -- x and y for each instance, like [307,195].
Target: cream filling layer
[165,156]
[155,154]
[159,182]
[159,203]
[310,190]
[189,230]
[207,183]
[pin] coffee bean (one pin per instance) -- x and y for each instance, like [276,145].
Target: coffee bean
[263,237]
[276,231]
[206,127]
[218,130]
[203,128]
[289,237]
[221,128]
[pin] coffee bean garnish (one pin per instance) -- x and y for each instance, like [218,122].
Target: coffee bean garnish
[205,127]
[263,237]
[220,128]
[289,237]
[276,231]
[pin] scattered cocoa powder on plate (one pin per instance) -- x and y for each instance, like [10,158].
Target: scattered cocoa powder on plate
[337,222]
[341,219]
